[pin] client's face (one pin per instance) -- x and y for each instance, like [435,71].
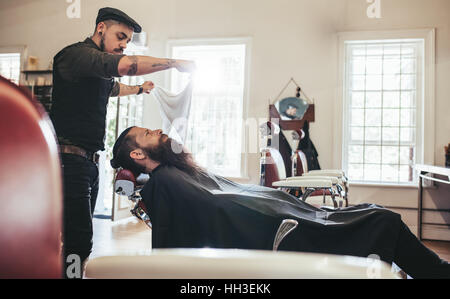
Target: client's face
[148,139]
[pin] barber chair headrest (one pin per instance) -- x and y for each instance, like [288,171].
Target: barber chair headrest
[269,128]
[126,182]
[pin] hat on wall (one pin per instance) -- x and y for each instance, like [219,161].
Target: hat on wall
[109,13]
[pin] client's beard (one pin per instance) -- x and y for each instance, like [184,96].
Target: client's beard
[172,153]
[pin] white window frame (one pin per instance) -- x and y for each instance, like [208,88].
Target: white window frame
[245,105]
[22,50]
[425,125]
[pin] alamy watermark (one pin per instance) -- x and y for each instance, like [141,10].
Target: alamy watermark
[73,11]
[73,269]
[374,9]
[255,130]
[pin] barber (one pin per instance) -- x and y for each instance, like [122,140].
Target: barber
[83,81]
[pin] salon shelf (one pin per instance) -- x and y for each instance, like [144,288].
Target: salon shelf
[36,72]
[37,86]
[42,93]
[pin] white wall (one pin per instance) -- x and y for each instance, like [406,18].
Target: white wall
[291,38]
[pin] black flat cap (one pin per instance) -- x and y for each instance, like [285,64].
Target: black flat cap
[109,13]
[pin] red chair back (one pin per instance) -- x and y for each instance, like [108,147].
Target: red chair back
[30,188]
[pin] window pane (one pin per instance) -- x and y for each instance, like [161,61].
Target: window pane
[356,171]
[389,173]
[358,82]
[391,99]
[409,49]
[358,99]
[408,99]
[373,135]
[405,154]
[358,50]
[391,117]
[359,66]
[405,173]
[373,82]
[391,135]
[374,50]
[356,153]
[357,117]
[374,65]
[373,118]
[408,66]
[373,100]
[407,135]
[372,172]
[390,155]
[10,66]
[391,66]
[392,49]
[408,117]
[357,134]
[391,82]
[408,82]
[372,154]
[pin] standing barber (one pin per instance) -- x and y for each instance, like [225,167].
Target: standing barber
[82,84]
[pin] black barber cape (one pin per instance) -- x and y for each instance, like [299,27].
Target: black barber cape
[211,211]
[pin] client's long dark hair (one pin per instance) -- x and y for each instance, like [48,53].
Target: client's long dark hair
[123,146]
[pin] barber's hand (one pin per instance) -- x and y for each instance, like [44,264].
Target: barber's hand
[185,66]
[148,86]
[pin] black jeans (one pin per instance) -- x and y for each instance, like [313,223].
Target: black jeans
[80,183]
[417,260]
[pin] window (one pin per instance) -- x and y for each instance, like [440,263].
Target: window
[215,126]
[10,66]
[383,96]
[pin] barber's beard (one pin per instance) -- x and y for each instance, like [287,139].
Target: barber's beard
[102,47]
[171,153]
[102,44]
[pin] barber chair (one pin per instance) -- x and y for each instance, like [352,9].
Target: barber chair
[320,187]
[127,184]
[31,188]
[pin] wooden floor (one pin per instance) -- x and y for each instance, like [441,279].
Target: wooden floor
[126,237]
[441,248]
[130,236]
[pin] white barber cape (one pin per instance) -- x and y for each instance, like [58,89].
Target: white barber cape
[174,111]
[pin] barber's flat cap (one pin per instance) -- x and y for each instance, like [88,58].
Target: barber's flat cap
[109,13]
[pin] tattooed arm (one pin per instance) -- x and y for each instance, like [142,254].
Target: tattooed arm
[141,65]
[126,90]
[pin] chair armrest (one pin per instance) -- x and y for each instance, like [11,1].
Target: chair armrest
[235,264]
[326,172]
[334,180]
[303,183]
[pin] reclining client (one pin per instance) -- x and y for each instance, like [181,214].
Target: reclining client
[192,208]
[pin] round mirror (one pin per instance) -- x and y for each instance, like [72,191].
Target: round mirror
[292,108]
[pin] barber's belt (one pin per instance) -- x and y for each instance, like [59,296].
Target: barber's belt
[75,150]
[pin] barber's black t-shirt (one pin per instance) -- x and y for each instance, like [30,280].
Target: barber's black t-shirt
[82,84]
